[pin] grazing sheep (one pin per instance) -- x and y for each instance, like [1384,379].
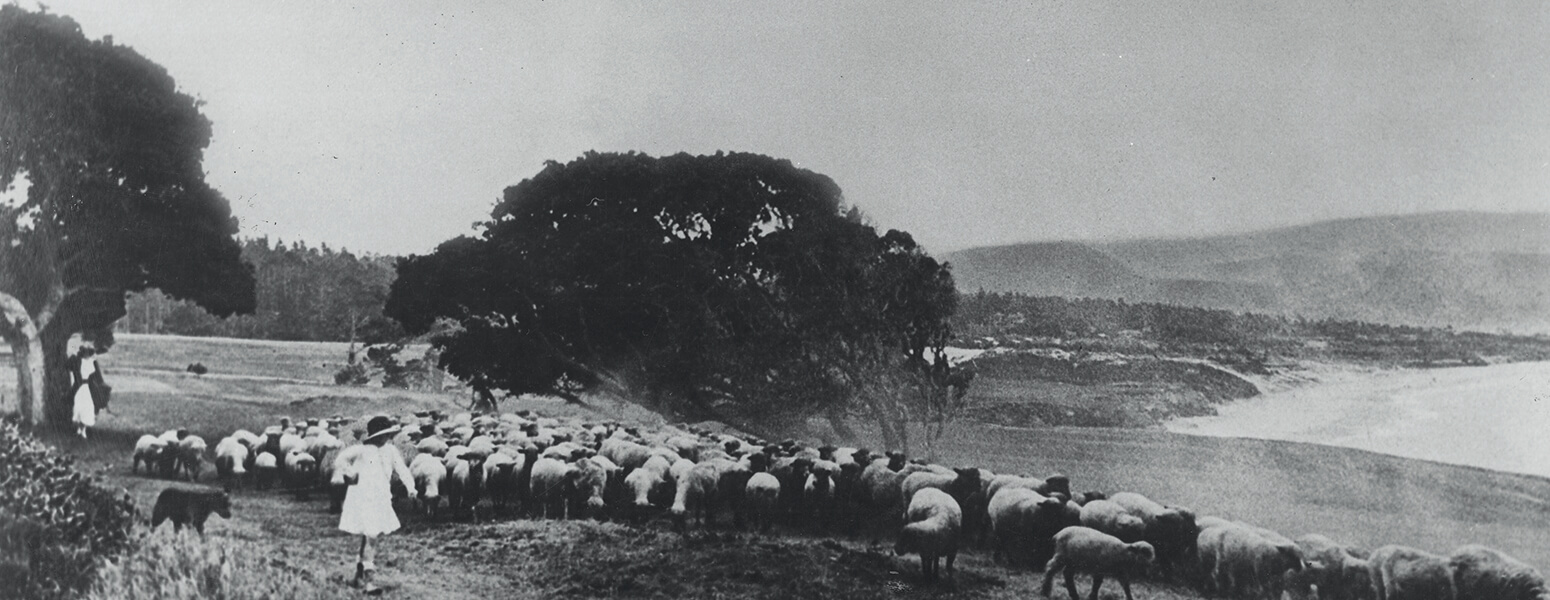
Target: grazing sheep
[429,475]
[960,484]
[760,497]
[696,495]
[625,453]
[301,470]
[433,446]
[645,488]
[1023,524]
[1112,519]
[1247,561]
[1335,571]
[148,450]
[818,494]
[933,525]
[500,478]
[589,483]
[1085,550]
[231,458]
[1171,530]
[1404,573]
[191,455]
[1482,573]
[549,486]
[883,494]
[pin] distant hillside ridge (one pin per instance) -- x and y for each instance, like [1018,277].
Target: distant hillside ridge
[1468,270]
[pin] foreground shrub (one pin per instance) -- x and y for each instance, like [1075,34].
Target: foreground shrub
[178,565]
[55,521]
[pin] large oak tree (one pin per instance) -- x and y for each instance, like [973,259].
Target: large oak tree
[734,287]
[106,156]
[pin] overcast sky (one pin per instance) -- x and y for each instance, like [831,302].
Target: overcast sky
[390,128]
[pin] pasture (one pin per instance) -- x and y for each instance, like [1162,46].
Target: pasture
[1350,495]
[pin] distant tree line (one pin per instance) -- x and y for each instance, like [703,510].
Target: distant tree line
[304,293]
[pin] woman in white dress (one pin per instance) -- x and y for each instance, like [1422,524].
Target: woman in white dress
[368,468]
[83,409]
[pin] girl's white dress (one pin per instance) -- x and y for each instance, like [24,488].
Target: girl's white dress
[368,505]
[83,410]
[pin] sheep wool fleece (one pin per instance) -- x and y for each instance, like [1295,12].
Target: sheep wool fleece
[368,505]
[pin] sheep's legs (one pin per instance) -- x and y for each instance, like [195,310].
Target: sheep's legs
[1124,582]
[1071,585]
[1097,583]
[1049,577]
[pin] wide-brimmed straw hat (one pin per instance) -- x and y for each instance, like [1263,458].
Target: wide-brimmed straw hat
[380,425]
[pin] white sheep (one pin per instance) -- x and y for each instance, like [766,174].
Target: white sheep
[1404,573]
[696,494]
[643,485]
[1086,550]
[760,497]
[231,457]
[1113,519]
[191,455]
[301,469]
[148,450]
[1482,573]
[429,475]
[933,526]
[548,486]
[266,466]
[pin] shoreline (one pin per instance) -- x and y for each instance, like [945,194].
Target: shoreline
[1491,417]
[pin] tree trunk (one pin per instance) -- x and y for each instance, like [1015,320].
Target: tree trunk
[885,426]
[56,389]
[30,376]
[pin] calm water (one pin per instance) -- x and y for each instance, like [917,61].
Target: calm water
[1496,417]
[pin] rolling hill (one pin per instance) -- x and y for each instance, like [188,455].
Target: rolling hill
[1470,270]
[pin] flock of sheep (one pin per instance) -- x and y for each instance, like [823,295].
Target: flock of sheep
[475,466]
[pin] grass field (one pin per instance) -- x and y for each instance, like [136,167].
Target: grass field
[1350,495]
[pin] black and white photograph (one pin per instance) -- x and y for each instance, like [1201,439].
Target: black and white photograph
[850,300]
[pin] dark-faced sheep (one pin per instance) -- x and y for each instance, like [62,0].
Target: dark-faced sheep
[1482,573]
[1248,561]
[1170,529]
[933,526]
[1084,550]
[1333,569]
[1404,573]
[1023,525]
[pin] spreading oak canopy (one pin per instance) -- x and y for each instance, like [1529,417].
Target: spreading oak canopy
[101,156]
[735,287]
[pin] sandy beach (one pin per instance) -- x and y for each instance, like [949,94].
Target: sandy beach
[1494,417]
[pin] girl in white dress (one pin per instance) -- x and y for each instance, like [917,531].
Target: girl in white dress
[368,468]
[83,409]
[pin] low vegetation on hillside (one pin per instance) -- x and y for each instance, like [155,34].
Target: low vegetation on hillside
[56,522]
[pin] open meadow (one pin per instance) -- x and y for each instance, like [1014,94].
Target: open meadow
[1351,495]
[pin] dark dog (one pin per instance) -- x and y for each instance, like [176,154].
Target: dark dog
[190,505]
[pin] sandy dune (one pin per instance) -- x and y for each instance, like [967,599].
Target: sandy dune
[1494,417]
